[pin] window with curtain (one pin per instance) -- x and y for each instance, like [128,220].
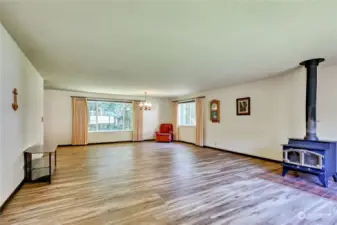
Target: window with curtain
[109,116]
[186,114]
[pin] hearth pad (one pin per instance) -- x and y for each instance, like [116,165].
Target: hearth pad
[310,183]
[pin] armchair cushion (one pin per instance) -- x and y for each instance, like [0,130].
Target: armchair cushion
[166,128]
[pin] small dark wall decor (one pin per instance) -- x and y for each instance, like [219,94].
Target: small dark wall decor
[15,99]
[243,106]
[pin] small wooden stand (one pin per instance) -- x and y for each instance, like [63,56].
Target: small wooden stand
[40,169]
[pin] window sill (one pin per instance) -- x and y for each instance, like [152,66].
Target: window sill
[187,125]
[109,131]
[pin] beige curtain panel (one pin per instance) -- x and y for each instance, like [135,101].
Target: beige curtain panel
[199,105]
[175,121]
[80,121]
[137,134]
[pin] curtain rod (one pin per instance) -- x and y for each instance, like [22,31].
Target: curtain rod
[106,99]
[190,99]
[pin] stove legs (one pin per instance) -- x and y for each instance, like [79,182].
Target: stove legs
[324,180]
[334,177]
[284,171]
[323,177]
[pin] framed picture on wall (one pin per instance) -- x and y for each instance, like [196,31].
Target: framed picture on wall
[243,106]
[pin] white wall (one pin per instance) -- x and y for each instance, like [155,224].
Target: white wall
[327,103]
[58,117]
[262,133]
[277,113]
[187,134]
[22,128]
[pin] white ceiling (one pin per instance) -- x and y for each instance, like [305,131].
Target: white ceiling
[168,47]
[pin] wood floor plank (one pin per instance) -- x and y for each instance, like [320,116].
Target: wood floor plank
[163,183]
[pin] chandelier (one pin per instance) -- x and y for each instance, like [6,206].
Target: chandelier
[145,105]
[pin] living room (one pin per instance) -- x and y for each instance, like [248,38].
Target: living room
[158,112]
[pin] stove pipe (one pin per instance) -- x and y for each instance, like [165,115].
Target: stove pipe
[310,105]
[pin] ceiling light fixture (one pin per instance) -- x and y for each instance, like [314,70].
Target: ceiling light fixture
[145,105]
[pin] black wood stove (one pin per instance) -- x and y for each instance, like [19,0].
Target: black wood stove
[310,155]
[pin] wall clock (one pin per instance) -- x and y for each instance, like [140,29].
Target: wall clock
[215,111]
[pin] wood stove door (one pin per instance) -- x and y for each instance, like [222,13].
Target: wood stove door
[292,156]
[312,159]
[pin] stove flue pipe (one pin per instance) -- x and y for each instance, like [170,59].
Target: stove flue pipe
[310,105]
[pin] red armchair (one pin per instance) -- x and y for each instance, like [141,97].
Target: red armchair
[165,133]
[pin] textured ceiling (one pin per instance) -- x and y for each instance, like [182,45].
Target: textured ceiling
[168,48]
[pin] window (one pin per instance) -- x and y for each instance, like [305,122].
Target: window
[186,114]
[109,116]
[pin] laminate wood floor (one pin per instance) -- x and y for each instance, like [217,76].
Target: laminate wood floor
[159,183]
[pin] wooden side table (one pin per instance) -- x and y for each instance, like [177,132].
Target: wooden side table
[40,169]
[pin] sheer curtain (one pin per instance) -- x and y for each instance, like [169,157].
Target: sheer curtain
[175,121]
[199,106]
[80,121]
[137,134]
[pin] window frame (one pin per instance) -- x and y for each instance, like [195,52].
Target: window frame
[107,131]
[179,114]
